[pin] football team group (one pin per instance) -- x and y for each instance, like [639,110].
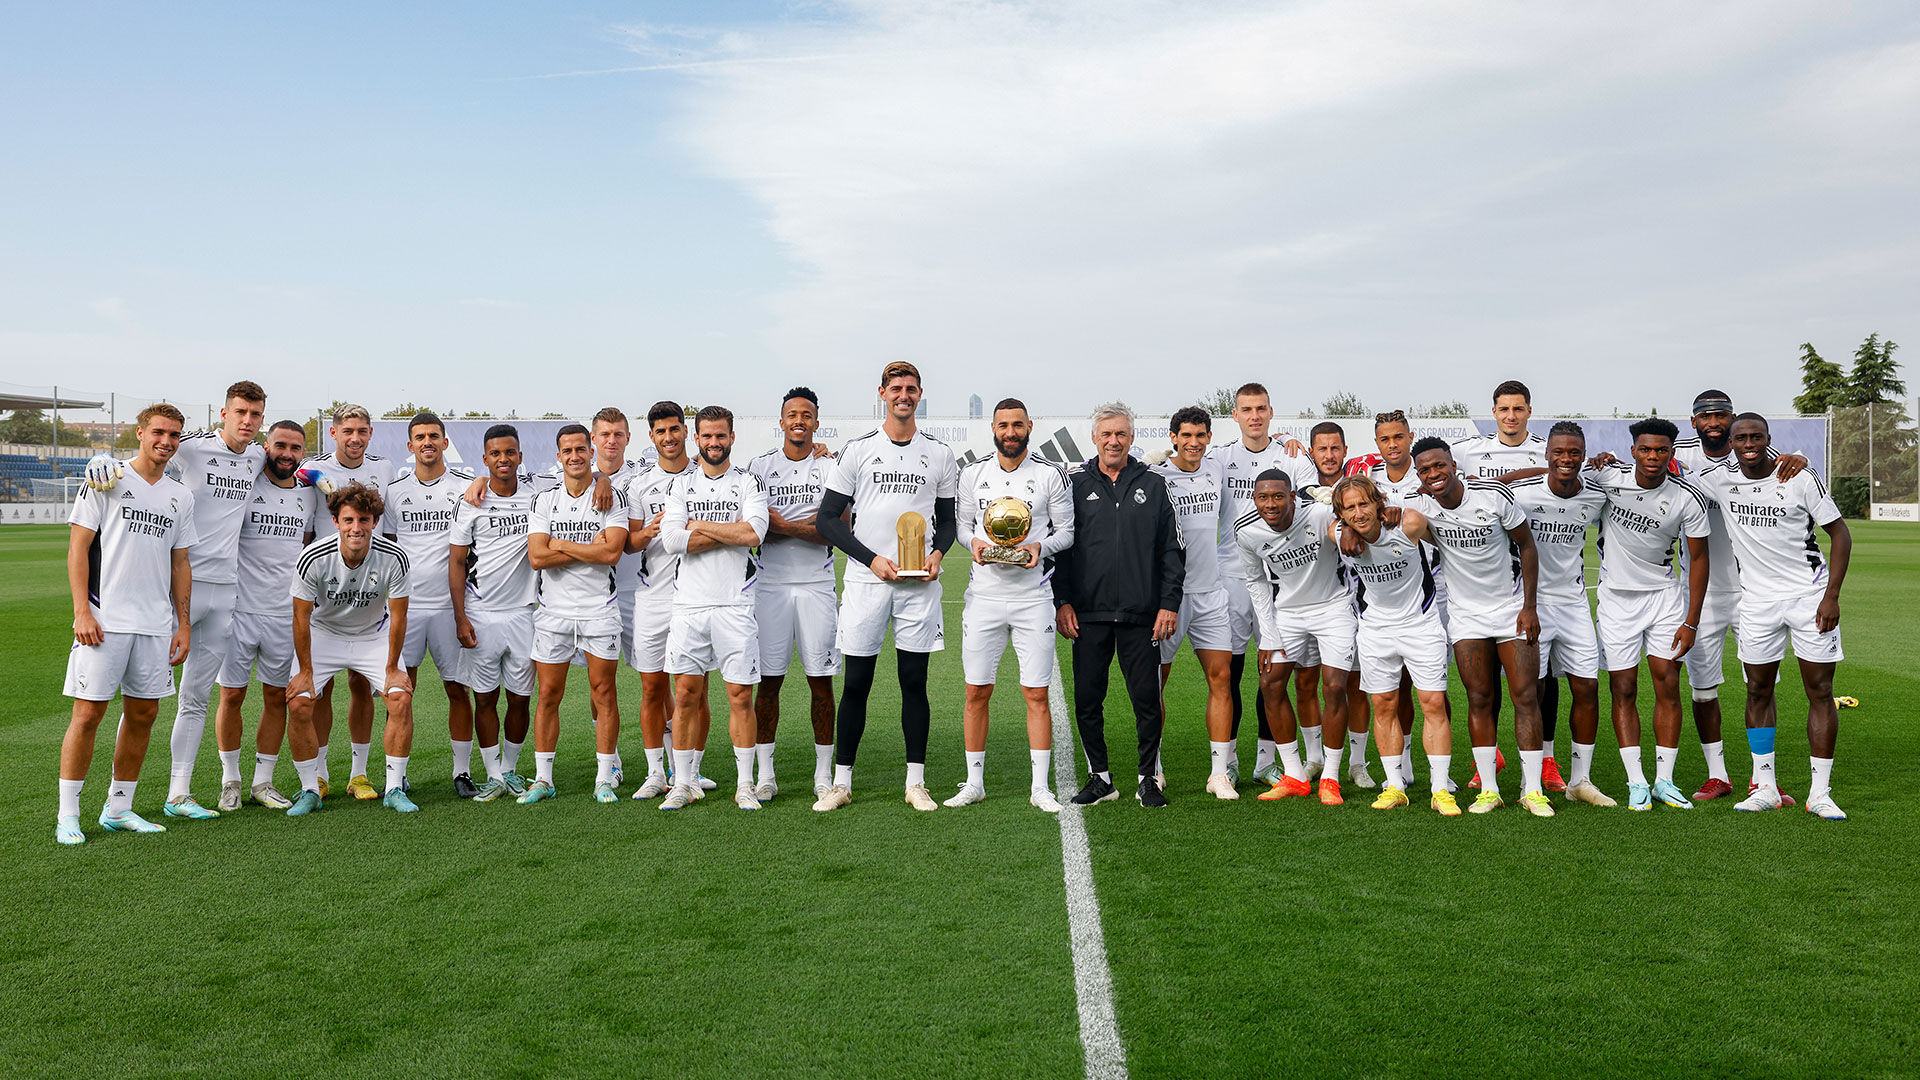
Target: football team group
[1355,579]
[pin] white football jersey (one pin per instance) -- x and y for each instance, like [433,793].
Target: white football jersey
[887,479]
[350,601]
[1197,500]
[1396,491]
[1486,457]
[1483,566]
[794,489]
[653,566]
[374,471]
[1392,580]
[222,482]
[1771,525]
[576,590]
[136,529]
[1560,534]
[420,514]
[720,576]
[1242,466]
[1293,568]
[1040,484]
[1724,573]
[1641,526]
[626,573]
[499,578]
[272,535]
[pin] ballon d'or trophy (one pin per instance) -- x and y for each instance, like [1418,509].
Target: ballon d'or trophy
[912,562]
[1008,520]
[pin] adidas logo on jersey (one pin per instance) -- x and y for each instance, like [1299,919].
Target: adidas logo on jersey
[259,498]
[1093,496]
[126,494]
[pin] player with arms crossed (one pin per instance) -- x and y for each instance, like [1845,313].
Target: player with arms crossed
[714,515]
[129,569]
[350,614]
[1643,607]
[1011,601]
[655,568]
[794,601]
[574,548]
[276,528]
[1788,592]
[882,476]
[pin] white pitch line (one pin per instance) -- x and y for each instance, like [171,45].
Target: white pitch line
[1092,979]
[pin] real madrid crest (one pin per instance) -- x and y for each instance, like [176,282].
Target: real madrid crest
[1139,496]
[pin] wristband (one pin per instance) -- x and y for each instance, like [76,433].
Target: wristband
[1690,626]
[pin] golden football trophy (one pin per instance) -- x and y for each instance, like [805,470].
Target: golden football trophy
[912,562]
[1007,522]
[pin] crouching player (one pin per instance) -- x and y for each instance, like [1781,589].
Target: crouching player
[347,589]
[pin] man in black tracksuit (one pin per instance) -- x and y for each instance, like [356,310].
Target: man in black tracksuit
[1118,591]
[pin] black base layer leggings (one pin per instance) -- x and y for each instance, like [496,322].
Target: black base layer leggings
[916,714]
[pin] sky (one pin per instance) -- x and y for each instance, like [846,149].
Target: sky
[553,207]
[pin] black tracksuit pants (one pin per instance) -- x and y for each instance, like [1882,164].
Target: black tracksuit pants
[1093,653]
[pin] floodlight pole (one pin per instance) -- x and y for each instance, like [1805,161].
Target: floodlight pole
[56,424]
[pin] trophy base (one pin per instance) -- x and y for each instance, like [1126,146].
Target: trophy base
[914,573]
[1005,556]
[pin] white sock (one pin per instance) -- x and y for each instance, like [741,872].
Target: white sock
[604,765]
[616,759]
[229,766]
[656,760]
[1316,751]
[263,765]
[1406,763]
[396,773]
[1763,774]
[1159,763]
[179,781]
[763,758]
[1107,776]
[1042,768]
[309,773]
[320,764]
[1217,753]
[1438,765]
[699,762]
[120,796]
[1630,757]
[1290,760]
[1357,749]
[743,766]
[490,757]
[70,797]
[1822,777]
[1582,764]
[510,755]
[1663,759]
[684,770]
[1546,748]
[462,757]
[361,752]
[843,776]
[1391,766]
[822,764]
[977,768]
[1532,762]
[1263,752]
[1332,770]
[916,773]
[1716,753]
[543,767]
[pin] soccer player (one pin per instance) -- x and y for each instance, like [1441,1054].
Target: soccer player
[1241,460]
[1394,475]
[421,504]
[794,601]
[1488,548]
[882,476]
[493,590]
[1196,485]
[1009,601]
[1399,633]
[1643,608]
[347,589]
[129,569]
[611,436]
[1293,575]
[1560,504]
[714,515]
[1788,593]
[1328,452]
[652,601]
[276,528]
[574,548]
[1511,447]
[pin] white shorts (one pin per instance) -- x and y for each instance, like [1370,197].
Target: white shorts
[134,665]
[1322,634]
[503,657]
[1439,588]
[432,633]
[1705,662]
[646,623]
[1766,626]
[722,639]
[912,608]
[1242,624]
[556,639]
[1568,645]
[1418,645]
[262,641]
[333,654]
[986,625]
[803,616]
[1205,620]
[1496,624]
[1633,624]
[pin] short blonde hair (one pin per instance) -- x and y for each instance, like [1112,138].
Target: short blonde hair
[1363,484]
[900,369]
[160,408]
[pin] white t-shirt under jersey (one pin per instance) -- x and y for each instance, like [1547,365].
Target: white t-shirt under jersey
[1724,575]
[576,590]
[420,514]
[374,471]
[499,578]
[1771,525]
[350,601]
[136,529]
[887,479]
[272,534]
[794,489]
[1560,534]
[1293,569]
[720,576]
[1483,566]
[1198,498]
[1040,484]
[1392,580]
[1642,526]
[1396,491]
[1486,457]
[222,482]
[654,567]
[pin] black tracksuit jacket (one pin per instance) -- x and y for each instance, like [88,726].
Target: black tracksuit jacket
[1127,562]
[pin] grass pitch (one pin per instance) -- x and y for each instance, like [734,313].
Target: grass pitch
[1246,938]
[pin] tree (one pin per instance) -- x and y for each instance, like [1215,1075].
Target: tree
[1447,409]
[404,412]
[1874,379]
[1343,403]
[554,416]
[1873,439]
[32,426]
[1823,383]
[1217,402]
